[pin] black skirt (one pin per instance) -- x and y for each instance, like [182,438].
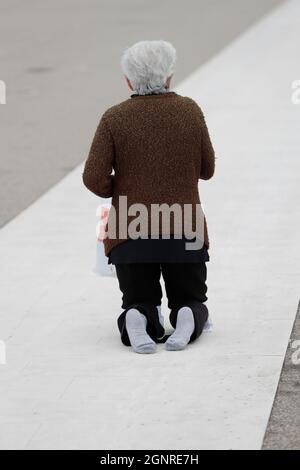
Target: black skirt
[150,250]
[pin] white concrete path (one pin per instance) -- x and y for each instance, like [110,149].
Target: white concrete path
[68,382]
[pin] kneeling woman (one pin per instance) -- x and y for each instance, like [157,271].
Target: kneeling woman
[158,146]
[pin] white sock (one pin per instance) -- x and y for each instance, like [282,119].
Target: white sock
[185,326]
[160,315]
[136,328]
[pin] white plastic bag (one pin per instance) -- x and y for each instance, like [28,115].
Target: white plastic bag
[102,268]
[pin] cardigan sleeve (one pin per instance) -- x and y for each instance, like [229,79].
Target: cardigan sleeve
[207,152]
[98,167]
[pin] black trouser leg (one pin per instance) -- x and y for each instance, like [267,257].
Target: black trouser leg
[139,283]
[184,282]
[186,287]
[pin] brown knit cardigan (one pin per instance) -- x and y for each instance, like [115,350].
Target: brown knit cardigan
[158,147]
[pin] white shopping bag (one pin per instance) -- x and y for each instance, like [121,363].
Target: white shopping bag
[102,268]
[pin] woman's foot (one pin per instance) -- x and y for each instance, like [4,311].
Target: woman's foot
[136,328]
[185,327]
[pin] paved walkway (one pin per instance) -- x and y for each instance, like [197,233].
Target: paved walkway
[68,382]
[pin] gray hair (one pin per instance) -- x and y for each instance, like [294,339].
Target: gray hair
[148,64]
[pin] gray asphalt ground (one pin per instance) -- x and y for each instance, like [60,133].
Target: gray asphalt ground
[283,432]
[60,61]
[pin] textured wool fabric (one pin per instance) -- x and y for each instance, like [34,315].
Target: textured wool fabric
[158,147]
